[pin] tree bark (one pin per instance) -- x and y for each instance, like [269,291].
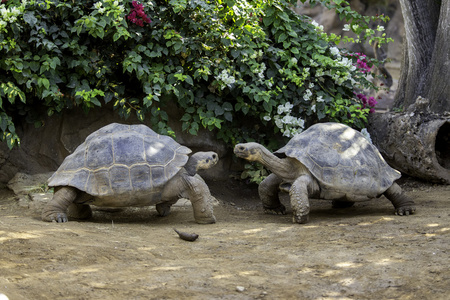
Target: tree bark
[425,55]
[439,86]
[415,142]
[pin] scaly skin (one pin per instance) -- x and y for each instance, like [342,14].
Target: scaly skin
[292,176]
[183,185]
[404,205]
[268,193]
[56,209]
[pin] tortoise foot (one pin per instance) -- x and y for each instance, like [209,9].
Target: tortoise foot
[300,219]
[163,209]
[206,220]
[279,210]
[405,210]
[55,217]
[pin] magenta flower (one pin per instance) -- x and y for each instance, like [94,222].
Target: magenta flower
[137,14]
[371,102]
[361,63]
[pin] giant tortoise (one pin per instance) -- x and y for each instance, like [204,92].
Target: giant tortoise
[327,161]
[129,165]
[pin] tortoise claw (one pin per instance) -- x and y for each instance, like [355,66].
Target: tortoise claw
[279,210]
[59,218]
[405,211]
[300,219]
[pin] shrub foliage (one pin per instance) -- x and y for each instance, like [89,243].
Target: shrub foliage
[247,69]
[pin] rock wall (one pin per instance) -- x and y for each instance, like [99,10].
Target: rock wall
[43,149]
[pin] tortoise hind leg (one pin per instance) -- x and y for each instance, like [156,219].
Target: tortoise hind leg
[402,203]
[56,209]
[163,208]
[79,211]
[268,193]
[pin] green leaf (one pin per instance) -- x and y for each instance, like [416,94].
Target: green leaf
[189,80]
[186,117]
[228,116]
[227,106]
[30,18]
[282,37]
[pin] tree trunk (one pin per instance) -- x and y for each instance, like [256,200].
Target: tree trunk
[426,54]
[417,141]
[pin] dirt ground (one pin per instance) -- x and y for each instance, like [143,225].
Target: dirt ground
[362,252]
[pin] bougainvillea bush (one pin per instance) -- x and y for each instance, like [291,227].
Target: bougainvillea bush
[250,70]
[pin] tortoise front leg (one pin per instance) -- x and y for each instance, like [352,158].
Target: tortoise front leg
[268,193]
[56,209]
[193,188]
[302,188]
[201,200]
[402,203]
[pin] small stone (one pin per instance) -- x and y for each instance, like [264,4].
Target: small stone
[240,288]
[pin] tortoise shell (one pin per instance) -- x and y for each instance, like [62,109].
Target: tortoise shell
[342,160]
[122,159]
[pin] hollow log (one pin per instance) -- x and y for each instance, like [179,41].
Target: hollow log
[415,142]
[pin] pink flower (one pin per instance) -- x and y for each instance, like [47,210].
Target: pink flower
[137,14]
[371,102]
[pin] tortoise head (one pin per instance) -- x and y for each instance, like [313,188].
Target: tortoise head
[201,161]
[249,151]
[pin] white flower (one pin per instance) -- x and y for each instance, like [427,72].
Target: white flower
[317,26]
[101,10]
[286,108]
[300,123]
[289,120]
[278,122]
[335,51]
[267,118]
[346,27]
[226,78]
[313,63]
[15,11]
[307,95]
[313,108]
[311,85]
[380,28]
[97,5]
[287,133]
[319,73]
[294,61]
[355,27]
[320,99]
[366,134]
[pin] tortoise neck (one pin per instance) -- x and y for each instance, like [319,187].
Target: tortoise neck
[282,167]
[191,165]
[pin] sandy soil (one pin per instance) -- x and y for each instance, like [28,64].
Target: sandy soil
[363,252]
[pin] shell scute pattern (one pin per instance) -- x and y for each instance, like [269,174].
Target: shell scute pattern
[342,160]
[122,159]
